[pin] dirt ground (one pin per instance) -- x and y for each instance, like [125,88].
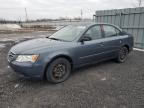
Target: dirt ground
[103,85]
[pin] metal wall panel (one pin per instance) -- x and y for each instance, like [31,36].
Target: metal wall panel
[130,20]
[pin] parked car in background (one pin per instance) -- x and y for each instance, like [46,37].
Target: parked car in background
[71,47]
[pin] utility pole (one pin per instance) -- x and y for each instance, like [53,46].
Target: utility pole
[26,14]
[20,21]
[81,14]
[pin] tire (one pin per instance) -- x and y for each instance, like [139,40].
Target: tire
[122,55]
[58,70]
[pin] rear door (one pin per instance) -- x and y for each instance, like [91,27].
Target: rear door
[112,40]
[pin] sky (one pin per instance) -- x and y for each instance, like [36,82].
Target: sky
[38,9]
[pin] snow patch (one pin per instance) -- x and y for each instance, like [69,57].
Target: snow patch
[9,27]
[103,79]
[2,45]
[137,49]
[16,85]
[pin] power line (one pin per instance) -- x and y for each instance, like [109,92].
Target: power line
[10,8]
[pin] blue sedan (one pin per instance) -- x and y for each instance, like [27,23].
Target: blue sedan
[71,47]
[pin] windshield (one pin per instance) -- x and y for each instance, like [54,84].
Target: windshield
[68,33]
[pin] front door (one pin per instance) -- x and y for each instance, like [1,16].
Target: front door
[91,51]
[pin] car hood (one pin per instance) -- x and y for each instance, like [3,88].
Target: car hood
[33,46]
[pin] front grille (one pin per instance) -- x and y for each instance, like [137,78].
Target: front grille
[11,56]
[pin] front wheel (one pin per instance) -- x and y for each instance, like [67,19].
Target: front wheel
[122,54]
[58,71]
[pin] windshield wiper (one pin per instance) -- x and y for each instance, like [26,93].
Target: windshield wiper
[54,38]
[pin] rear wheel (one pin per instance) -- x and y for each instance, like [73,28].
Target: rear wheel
[122,54]
[58,71]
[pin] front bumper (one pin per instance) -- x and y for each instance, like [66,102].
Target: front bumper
[28,70]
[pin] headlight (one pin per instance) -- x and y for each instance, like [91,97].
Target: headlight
[27,58]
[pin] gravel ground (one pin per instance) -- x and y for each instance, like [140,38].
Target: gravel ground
[103,85]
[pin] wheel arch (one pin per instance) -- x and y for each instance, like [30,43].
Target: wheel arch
[127,46]
[56,57]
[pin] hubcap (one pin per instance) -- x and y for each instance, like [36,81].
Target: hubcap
[123,54]
[59,71]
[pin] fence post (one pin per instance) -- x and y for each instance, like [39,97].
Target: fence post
[120,22]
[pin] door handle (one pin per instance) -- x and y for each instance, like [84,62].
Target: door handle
[101,44]
[120,41]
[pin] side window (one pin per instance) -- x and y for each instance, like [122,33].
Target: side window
[94,33]
[110,31]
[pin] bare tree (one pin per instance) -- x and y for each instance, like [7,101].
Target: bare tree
[137,3]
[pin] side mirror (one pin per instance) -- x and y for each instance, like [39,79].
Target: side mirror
[122,33]
[86,38]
